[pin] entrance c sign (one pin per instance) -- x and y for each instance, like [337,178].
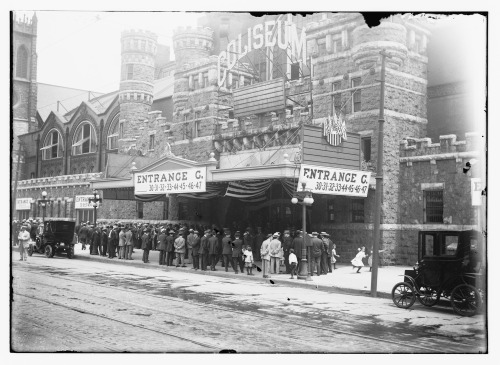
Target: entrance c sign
[332,181]
[192,180]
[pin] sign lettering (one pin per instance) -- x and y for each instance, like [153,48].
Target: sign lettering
[475,190]
[82,202]
[171,182]
[23,203]
[332,181]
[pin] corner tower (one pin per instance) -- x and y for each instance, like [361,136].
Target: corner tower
[136,83]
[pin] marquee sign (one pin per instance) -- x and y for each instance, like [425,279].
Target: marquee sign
[475,189]
[268,34]
[82,202]
[334,181]
[23,203]
[192,180]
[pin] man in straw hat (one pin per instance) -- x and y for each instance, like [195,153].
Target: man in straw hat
[24,238]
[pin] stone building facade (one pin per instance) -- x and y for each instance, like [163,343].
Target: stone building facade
[343,67]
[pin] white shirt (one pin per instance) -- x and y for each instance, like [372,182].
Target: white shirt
[292,258]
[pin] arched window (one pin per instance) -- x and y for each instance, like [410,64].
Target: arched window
[84,140]
[22,62]
[52,146]
[114,133]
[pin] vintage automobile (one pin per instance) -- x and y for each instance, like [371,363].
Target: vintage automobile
[55,236]
[450,265]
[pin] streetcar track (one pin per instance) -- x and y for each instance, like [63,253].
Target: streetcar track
[267,318]
[82,311]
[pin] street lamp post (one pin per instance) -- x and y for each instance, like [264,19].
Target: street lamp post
[94,202]
[43,203]
[307,200]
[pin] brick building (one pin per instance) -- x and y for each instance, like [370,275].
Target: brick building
[184,114]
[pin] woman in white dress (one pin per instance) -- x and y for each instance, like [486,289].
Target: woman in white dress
[358,260]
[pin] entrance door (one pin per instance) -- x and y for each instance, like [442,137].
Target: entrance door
[85,215]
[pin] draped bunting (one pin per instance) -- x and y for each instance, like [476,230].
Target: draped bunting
[150,197]
[290,186]
[213,191]
[249,191]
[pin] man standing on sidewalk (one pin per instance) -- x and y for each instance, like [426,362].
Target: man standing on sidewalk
[237,253]
[112,242]
[297,244]
[180,250]
[317,248]
[170,247]
[227,251]
[121,243]
[213,244]
[265,255]
[189,246]
[162,246]
[195,246]
[204,250]
[287,245]
[129,243]
[23,238]
[274,250]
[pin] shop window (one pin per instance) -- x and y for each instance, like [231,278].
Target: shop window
[183,211]
[433,206]
[366,148]
[140,210]
[356,94]
[357,211]
[22,62]
[330,210]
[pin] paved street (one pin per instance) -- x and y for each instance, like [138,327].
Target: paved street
[93,306]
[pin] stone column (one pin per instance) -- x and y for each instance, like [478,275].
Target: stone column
[173,207]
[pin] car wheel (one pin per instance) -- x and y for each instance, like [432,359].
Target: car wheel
[71,252]
[49,251]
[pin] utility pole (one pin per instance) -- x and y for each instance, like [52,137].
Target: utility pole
[379,179]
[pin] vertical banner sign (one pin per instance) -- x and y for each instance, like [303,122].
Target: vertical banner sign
[333,181]
[475,190]
[23,203]
[82,202]
[191,180]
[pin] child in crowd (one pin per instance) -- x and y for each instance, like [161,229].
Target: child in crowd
[248,260]
[292,259]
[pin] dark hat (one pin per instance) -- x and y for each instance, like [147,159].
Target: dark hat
[207,231]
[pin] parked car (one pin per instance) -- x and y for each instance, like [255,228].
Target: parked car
[55,236]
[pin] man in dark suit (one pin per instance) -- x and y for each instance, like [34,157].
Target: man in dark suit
[317,249]
[204,250]
[162,246]
[170,248]
[237,253]
[82,235]
[195,246]
[297,244]
[287,245]
[227,251]
[213,251]
[113,242]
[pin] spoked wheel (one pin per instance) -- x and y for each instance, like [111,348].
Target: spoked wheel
[403,295]
[71,252]
[30,250]
[429,296]
[49,252]
[465,300]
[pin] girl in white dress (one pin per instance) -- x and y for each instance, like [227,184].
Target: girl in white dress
[358,260]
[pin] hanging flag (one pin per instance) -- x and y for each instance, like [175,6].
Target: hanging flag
[249,191]
[334,130]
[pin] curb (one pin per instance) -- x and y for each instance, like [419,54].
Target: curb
[222,274]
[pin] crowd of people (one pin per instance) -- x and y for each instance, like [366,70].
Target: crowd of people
[203,247]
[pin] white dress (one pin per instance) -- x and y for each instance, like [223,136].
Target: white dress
[358,260]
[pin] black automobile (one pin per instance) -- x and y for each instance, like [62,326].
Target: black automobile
[55,236]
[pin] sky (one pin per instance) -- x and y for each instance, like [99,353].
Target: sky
[81,49]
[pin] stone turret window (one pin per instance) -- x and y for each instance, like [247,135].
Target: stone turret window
[130,72]
[52,146]
[84,140]
[22,62]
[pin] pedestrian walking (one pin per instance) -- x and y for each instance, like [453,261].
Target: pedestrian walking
[82,235]
[180,250]
[292,259]
[162,247]
[266,257]
[237,253]
[274,251]
[227,251]
[248,260]
[24,238]
[358,260]
[195,246]
[170,248]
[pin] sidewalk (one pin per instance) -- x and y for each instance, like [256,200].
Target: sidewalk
[343,280]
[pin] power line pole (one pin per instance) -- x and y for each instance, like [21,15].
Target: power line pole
[379,179]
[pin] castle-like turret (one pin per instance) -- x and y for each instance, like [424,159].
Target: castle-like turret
[136,83]
[191,44]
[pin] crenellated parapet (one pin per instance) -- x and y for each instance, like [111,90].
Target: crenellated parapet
[191,43]
[422,149]
[25,24]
